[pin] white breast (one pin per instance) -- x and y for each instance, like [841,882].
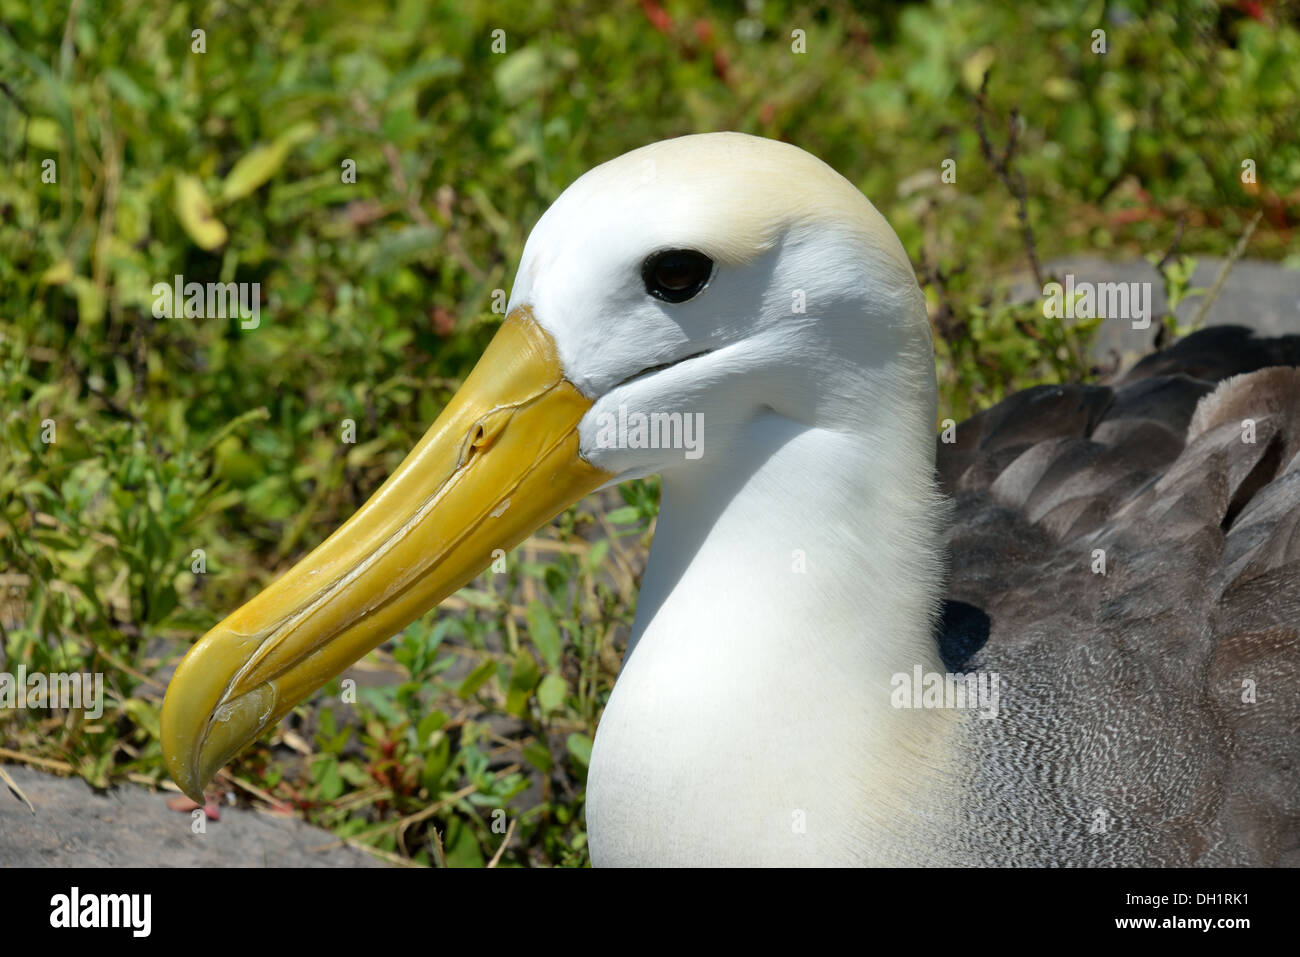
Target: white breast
[751,723]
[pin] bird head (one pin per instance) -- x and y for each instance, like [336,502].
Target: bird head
[719,276]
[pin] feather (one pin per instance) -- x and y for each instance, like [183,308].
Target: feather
[1151,702]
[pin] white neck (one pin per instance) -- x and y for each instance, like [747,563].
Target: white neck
[789,580]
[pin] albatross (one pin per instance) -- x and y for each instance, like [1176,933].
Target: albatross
[1115,568]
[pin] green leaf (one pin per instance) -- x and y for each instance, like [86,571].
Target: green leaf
[476,678]
[261,163]
[359,455]
[420,74]
[539,756]
[325,772]
[626,515]
[402,246]
[478,598]
[59,273]
[252,170]
[127,89]
[579,746]
[521,74]
[595,556]
[194,210]
[354,774]
[144,714]
[436,761]
[551,692]
[44,133]
[545,633]
[90,299]
[461,846]
[430,723]
[523,679]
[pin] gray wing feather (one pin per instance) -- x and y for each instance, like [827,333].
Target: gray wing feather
[1150,712]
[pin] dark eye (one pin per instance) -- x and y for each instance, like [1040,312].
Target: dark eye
[676,275]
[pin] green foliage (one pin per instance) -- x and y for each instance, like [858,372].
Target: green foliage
[1176,278]
[173,435]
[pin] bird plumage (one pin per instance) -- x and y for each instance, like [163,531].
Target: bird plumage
[1151,704]
[1122,567]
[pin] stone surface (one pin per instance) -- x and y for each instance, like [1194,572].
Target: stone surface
[1264,296]
[131,826]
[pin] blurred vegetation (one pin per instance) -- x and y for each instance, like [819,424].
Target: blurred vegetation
[185,434]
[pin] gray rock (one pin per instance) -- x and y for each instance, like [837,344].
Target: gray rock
[1263,296]
[133,827]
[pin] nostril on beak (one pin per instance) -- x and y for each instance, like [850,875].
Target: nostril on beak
[484,433]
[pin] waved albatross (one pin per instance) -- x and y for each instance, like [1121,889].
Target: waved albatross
[1122,568]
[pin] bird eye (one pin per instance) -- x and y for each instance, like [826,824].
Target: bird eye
[676,275]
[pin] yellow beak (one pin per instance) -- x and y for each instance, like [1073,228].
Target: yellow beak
[501,460]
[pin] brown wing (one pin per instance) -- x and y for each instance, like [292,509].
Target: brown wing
[1137,550]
